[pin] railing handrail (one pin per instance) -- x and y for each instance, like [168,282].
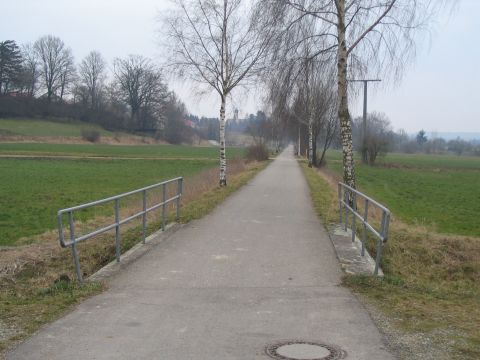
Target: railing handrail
[371,200]
[349,202]
[115,197]
[118,221]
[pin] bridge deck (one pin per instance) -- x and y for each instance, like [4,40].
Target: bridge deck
[260,268]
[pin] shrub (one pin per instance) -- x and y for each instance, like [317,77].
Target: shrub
[91,135]
[257,152]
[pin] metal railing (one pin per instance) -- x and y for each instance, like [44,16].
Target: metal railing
[73,241]
[347,199]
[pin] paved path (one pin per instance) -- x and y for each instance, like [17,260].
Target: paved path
[258,269]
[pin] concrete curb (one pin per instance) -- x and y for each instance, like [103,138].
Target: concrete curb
[349,253]
[136,252]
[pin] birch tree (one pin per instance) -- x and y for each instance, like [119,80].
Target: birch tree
[300,84]
[220,44]
[365,36]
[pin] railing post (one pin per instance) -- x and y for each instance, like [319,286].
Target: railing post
[164,197]
[144,216]
[60,229]
[379,245]
[340,202]
[74,248]
[117,229]
[365,220]
[179,194]
[354,218]
[345,195]
[387,224]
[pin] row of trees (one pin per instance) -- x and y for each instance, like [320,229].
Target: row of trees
[304,50]
[135,98]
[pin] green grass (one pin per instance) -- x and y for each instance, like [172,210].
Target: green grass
[42,291]
[29,307]
[103,150]
[445,198]
[417,160]
[32,191]
[322,195]
[431,284]
[40,127]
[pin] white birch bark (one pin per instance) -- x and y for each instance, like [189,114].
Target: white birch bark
[310,138]
[343,113]
[223,158]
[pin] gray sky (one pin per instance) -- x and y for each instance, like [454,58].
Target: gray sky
[440,92]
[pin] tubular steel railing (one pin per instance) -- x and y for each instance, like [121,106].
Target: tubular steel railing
[73,241]
[347,199]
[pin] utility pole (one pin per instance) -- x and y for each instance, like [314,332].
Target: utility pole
[364,130]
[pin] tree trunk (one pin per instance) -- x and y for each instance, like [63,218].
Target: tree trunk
[314,147]
[310,141]
[299,153]
[62,89]
[324,151]
[343,113]
[223,159]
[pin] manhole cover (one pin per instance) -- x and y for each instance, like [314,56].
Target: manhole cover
[304,350]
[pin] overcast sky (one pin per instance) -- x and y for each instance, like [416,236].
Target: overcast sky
[439,93]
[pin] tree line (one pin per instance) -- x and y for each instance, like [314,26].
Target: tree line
[305,52]
[381,139]
[42,79]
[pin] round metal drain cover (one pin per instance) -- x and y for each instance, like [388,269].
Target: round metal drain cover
[304,350]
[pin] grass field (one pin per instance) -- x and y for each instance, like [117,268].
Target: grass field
[36,280]
[33,190]
[33,127]
[430,293]
[104,150]
[438,191]
[419,160]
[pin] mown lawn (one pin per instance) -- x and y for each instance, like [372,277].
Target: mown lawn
[32,191]
[439,191]
[104,150]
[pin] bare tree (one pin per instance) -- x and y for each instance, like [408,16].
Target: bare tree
[30,69]
[141,85]
[54,60]
[378,138]
[365,36]
[219,43]
[301,87]
[92,76]
[68,73]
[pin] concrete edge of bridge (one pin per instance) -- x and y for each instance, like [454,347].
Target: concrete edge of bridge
[349,252]
[135,253]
